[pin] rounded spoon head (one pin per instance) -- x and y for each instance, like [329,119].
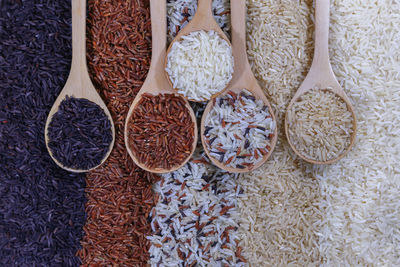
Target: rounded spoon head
[308,85]
[254,88]
[132,153]
[203,20]
[85,93]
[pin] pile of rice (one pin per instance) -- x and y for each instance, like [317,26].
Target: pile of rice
[200,65]
[361,207]
[346,214]
[279,211]
[194,221]
[320,126]
[238,130]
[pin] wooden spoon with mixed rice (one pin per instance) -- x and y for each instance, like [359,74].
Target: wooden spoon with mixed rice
[238,128]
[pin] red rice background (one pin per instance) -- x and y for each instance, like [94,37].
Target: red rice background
[119,193]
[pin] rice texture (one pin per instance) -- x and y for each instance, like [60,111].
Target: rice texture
[195,219]
[320,126]
[345,214]
[238,130]
[279,211]
[200,65]
[292,213]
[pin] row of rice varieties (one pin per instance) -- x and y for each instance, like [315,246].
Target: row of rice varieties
[292,212]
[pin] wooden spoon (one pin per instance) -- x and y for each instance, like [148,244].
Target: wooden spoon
[78,84]
[321,76]
[156,82]
[243,78]
[203,20]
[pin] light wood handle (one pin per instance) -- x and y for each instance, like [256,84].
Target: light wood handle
[79,34]
[238,13]
[204,8]
[321,50]
[158,34]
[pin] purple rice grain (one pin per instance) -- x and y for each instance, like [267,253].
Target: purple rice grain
[79,134]
[41,205]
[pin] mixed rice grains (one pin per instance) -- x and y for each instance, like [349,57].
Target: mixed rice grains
[195,220]
[239,129]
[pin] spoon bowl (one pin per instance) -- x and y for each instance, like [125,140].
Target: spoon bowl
[321,76]
[78,83]
[243,78]
[203,20]
[156,82]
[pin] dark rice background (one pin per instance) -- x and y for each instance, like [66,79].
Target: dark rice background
[41,206]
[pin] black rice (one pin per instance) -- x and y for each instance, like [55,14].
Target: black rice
[41,205]
[79,134]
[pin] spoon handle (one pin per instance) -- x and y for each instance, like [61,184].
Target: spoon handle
[79,35]
[321,50]
[204,9]
[238,12]
[158,34]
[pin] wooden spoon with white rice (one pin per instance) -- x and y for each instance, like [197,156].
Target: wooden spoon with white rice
[199,61]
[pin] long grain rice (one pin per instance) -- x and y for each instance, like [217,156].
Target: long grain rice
[180,12]
[293,214]
[361,222]
[320,125]
[239,129]
[345,214]
[194,221]
[280,215]
[200,65]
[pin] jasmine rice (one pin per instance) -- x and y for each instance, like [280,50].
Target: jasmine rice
[200,65]
[238,130]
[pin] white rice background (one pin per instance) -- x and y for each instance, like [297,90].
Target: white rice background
[294,214]
[347,214]
[361,194]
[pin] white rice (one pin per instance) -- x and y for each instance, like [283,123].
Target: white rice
[200,65]
[361,193]
[345,214]
[239,129]
[320,126]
